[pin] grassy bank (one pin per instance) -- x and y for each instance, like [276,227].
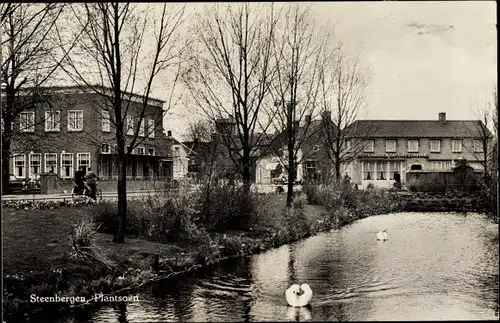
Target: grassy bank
[67,250]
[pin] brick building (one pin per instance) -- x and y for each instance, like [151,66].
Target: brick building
[400,146]
[75,130]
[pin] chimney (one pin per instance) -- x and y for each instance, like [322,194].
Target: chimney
[327,115]
[169,133]
[308,119]
[442,117]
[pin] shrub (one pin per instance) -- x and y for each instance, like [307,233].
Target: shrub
[337,198]
[83,234]
[295,223]
[227,207]
[299,201]
[164,217]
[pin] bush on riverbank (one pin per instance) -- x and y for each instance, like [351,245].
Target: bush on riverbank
[186,215]
[345,203]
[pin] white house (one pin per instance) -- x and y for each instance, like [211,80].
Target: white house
[180,159]
[267,165]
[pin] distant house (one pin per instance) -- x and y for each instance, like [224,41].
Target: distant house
[400,146]
[179,156]
[312,160]
[221,155]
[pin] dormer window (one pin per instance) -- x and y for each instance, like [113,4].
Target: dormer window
[413,145]
[435,145]
[390,145]
[456,145]
[369,146]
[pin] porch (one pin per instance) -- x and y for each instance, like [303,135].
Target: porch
[139,167]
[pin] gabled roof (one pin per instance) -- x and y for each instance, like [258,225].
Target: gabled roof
[418,128]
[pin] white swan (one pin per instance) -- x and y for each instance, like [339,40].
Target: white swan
[298,296]
[382,235]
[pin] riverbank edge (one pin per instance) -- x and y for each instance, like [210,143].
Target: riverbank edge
[114,281]
[139,274]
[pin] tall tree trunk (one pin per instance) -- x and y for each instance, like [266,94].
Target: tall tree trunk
[291,179]
[6,160]
[337,171]
[245,216]
[122,202]
[292,168]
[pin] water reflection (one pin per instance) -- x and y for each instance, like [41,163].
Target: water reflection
[435,266]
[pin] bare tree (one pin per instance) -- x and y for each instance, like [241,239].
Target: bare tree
[29,61]
[230,75]
[201,130]
[113,51]
[480,132]
[342,98]
[299,50]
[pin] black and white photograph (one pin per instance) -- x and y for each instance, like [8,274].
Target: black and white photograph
[249,161]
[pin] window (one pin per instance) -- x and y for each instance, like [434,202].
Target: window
[129,125]
[435,145]
[447,165]
[394,168]
[390,145]
[456,145]
[413,145]
[141,128]
[370,146]
[436,165]
[151,151]
[51,163]
[35,161]
[106,121]
[66,165]
[381,171]
[176,152]
[368,170]
[310,167]
[19,165]
[27,121]
[52,120]
[105,149]
[140,151]
[151,128]
[478,146]
[83,161]
[75,120]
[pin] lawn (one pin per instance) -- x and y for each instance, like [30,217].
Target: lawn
[39,240]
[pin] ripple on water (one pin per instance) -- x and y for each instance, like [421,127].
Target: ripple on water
[427,270]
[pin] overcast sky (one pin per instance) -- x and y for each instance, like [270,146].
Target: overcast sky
[425,57]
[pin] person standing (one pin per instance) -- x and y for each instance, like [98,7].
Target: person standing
[90,179]
[79,181]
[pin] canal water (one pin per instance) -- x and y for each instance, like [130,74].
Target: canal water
[438,266]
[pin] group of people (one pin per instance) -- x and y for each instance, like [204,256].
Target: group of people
[85,181]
